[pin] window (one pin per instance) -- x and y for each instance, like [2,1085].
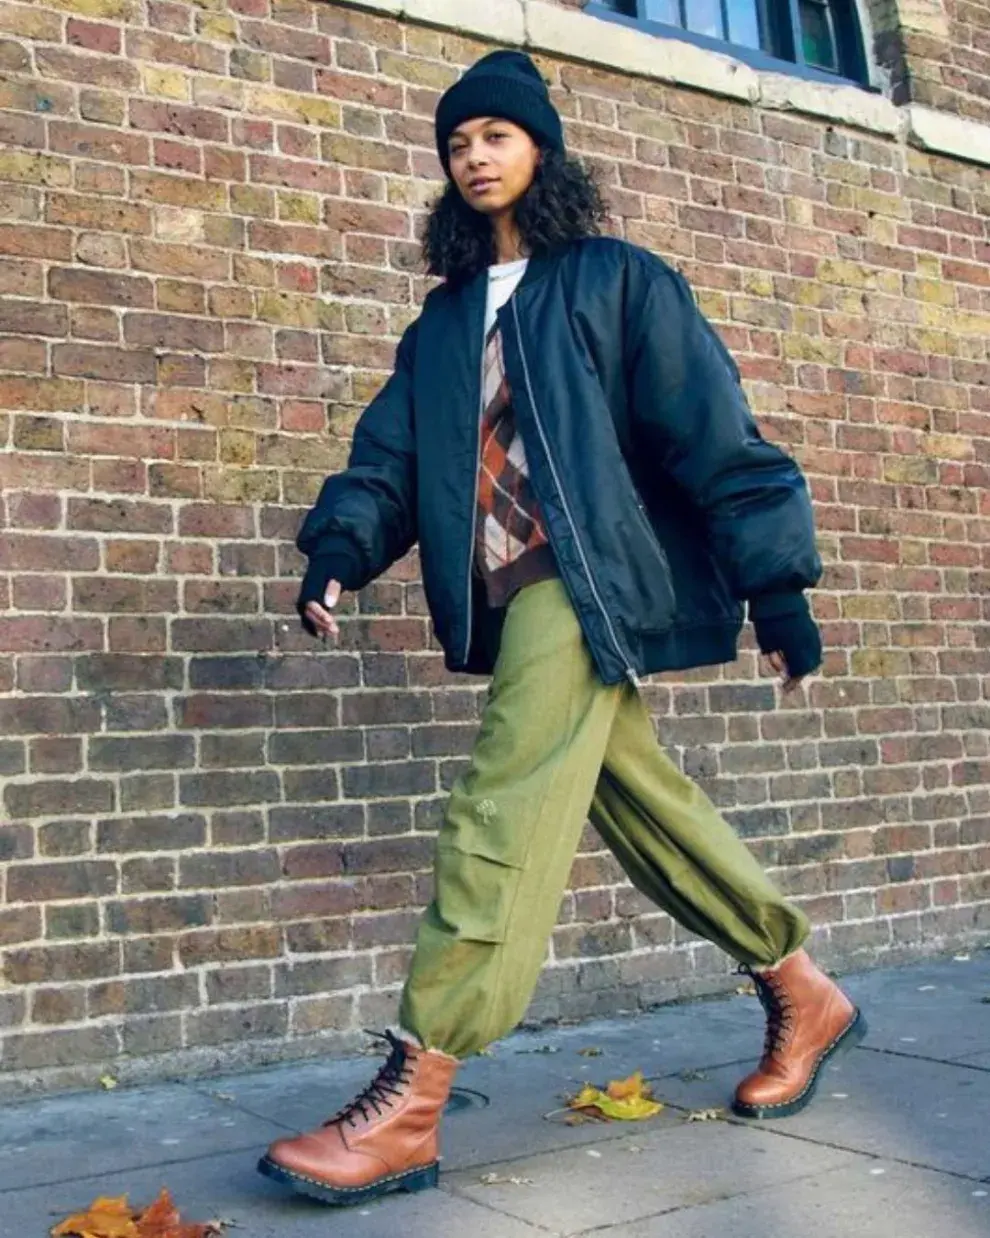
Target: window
[821,37]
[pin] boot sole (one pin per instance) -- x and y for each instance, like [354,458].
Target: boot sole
[848,1038]
[412,1180]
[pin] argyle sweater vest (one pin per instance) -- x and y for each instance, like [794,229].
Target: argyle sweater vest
[511,546]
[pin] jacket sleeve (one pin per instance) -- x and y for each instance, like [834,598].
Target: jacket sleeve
[365,517]
[691,411]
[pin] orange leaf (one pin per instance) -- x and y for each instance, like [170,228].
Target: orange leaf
[633,1088]
[162,1220]
[105,1218]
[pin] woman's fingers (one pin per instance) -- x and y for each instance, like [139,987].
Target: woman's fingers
[778,664]
[322,617]
[322,620]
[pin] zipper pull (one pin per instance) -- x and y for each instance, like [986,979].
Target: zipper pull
[633,678]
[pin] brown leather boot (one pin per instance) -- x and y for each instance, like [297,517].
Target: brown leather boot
[385,1140]
[809,1018]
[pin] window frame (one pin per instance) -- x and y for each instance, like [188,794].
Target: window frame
[848,33]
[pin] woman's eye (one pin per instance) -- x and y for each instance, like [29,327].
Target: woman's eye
[496,136]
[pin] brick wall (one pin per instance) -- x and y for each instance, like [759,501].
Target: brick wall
[217,834]
[937,52]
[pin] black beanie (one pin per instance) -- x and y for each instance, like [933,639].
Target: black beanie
[506,85]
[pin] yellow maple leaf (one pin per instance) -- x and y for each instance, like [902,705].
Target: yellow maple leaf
[106,1217]
[625,1100]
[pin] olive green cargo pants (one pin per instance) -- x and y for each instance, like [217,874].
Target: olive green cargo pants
[555,745]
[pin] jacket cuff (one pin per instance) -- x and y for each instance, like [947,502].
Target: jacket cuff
[338,557]
[772,605]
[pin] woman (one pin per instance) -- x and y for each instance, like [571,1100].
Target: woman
[567,440]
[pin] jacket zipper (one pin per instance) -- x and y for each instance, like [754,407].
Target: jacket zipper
[624,657]
[474,501]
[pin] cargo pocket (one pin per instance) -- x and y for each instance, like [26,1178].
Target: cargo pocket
[474,894]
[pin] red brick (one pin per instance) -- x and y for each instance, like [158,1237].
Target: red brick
[115,74]
[93,142]
[91,361]
[200,124]
[94,36]
[164,331]
[28,242]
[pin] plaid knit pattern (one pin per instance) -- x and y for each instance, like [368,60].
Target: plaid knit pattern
[512,549]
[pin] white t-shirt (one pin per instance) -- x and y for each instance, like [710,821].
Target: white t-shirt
[503,280]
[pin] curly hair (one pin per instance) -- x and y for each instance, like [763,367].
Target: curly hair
[563,203]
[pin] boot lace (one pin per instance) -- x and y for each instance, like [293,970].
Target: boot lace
[390,1081]
[776,1002]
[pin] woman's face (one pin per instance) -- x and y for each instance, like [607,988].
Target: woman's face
[492,163]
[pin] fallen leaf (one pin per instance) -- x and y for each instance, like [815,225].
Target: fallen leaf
[706,1115]
[580,1119]
[227,1096]
[114,1218]
[105,1218]
[627,1089]
[162,1220]
[542,1049]
[504,1180]
[486,1053]
[624,1100]
[746,990]
[108,1083]
[591,1052]
[692,1076]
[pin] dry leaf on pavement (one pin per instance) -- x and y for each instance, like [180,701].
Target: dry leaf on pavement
[624,1100]
[706,1115]
[105,1218]
[504,1180]
[114,1218]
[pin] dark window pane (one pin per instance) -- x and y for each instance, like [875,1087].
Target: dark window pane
[744,23]
[705,17]
[626,7]
[817,37]
[666,11]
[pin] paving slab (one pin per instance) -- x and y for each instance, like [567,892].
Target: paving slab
[65,1137]
[869,1199]
[652,1170]
[903,1101]
[979,1061]
[503,1099]
[927,1010]
[873,1200]
[227,1187]
[927,1113]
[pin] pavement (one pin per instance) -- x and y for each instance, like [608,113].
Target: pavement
[896,1144]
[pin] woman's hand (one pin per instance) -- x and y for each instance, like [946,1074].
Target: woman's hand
[321,615]
[778,665]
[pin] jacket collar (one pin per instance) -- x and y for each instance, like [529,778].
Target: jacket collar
[540,266]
